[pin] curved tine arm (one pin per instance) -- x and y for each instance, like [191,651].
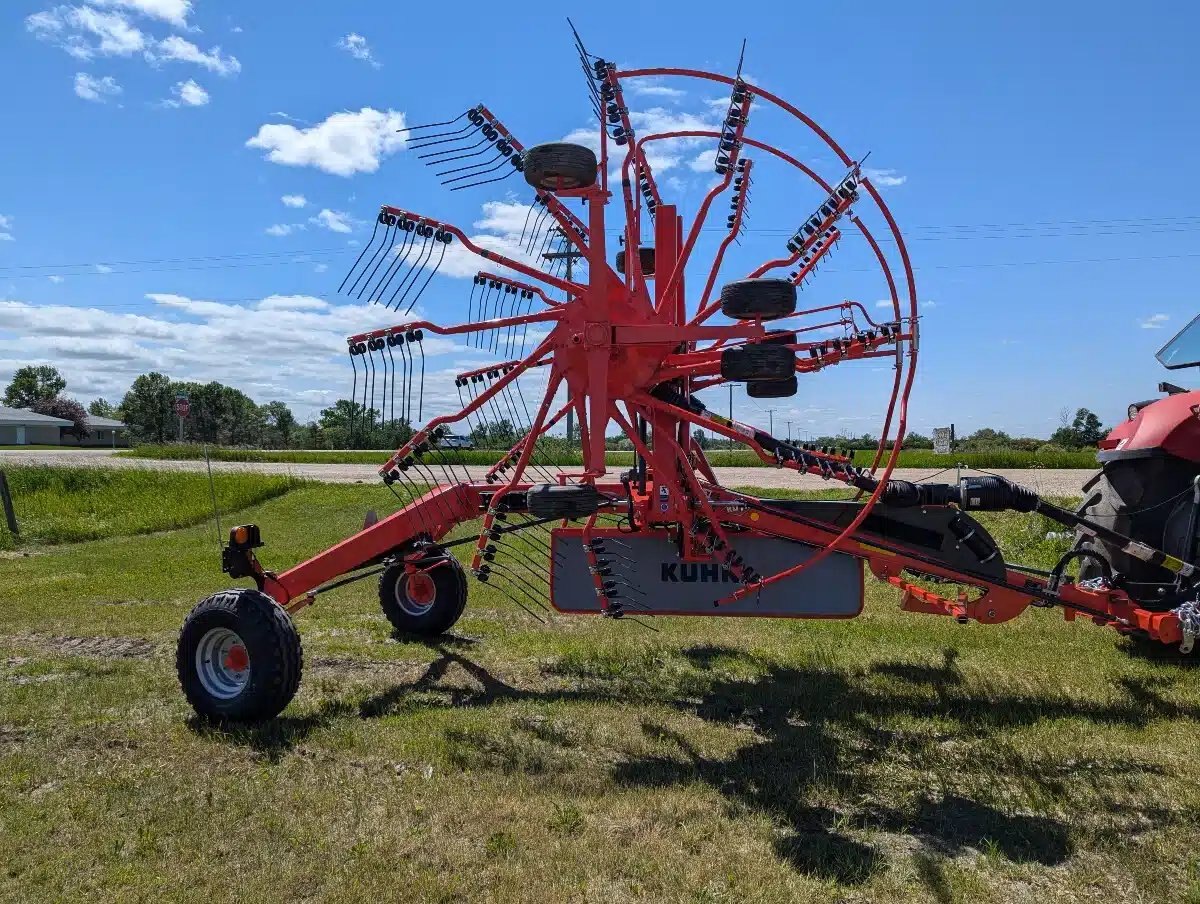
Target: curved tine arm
[569,287]
[476,327]
[520,285]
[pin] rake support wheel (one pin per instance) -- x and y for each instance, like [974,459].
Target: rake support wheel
[559,166]
[239,657]
[425,602]
[570,501]
[758,362]
[772,389]
[758,299]
[645,256]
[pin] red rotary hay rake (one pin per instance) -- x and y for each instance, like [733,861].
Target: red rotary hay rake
[624,345]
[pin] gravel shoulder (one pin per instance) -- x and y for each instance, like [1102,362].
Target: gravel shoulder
[1046,481]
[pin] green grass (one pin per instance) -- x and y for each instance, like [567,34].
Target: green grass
[67,505]
[916,458]
[894,757]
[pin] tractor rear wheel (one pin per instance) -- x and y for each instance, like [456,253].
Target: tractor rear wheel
[239,657]
[772,389]
[758,362]
[560,166]
[758,299]
[426,602]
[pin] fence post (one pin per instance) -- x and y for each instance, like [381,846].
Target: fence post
[6,499]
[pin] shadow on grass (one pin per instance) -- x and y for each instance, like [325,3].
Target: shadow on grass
[821,744]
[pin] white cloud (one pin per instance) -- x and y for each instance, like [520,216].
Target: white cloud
[293,347]
[651,88]
[282,229]
[184,51]
[320,268]
[356,45]
[187,94]
[294,200]
[1154,322]
[344,144]
[85,32]
[292,303]
[173,11]
[884,303]
[6,229]
[56,279]
[884,178]
[98,90]
[704,161]
[333,220]
[103,268]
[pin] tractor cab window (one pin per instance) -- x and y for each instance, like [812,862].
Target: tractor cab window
[1184,349]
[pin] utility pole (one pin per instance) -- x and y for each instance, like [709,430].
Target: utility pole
[771,416]
[570,255]
[789,423]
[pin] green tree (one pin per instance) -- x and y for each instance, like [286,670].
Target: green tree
[148,408]
[1087,427]
[68,410]
[281,424]
[33,383]
[102,408]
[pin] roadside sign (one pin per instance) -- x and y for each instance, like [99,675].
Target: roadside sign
[183,407]
[943,439]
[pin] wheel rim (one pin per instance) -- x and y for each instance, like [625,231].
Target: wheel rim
[222,663]
[416,593]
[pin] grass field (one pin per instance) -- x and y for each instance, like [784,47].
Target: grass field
[894,757]
[916,458]
[67,505]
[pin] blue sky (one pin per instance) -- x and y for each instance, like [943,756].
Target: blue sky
[1030,152]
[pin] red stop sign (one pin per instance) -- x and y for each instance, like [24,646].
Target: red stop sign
[183,407]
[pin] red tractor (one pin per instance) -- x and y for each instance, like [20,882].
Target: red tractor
[624,338]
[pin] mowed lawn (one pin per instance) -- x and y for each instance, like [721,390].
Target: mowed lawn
[893,758]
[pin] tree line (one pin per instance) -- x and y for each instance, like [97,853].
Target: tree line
[226,416]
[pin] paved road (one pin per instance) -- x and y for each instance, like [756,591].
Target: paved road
[1046,481]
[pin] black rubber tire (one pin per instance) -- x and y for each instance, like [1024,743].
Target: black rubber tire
[646,255]
[449,601]
[758,362]
[549,500]
[272,644]
[772,389]
[560,166]
[758,299]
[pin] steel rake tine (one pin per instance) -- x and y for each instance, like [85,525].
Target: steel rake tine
[392,360]
[382,255]
[414,273]
[498,160]
[425,142]
[525,225]
[384,388]
[354,390]
[384,245]
[369,243]
[407,356]
[454,150]
[428,277]
[393,268]
[507,175]
[434,125]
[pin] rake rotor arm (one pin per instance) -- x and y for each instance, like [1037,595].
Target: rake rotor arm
[560,284]
[525,287]
[476,327]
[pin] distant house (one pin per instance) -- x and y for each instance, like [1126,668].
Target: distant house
[21,427]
